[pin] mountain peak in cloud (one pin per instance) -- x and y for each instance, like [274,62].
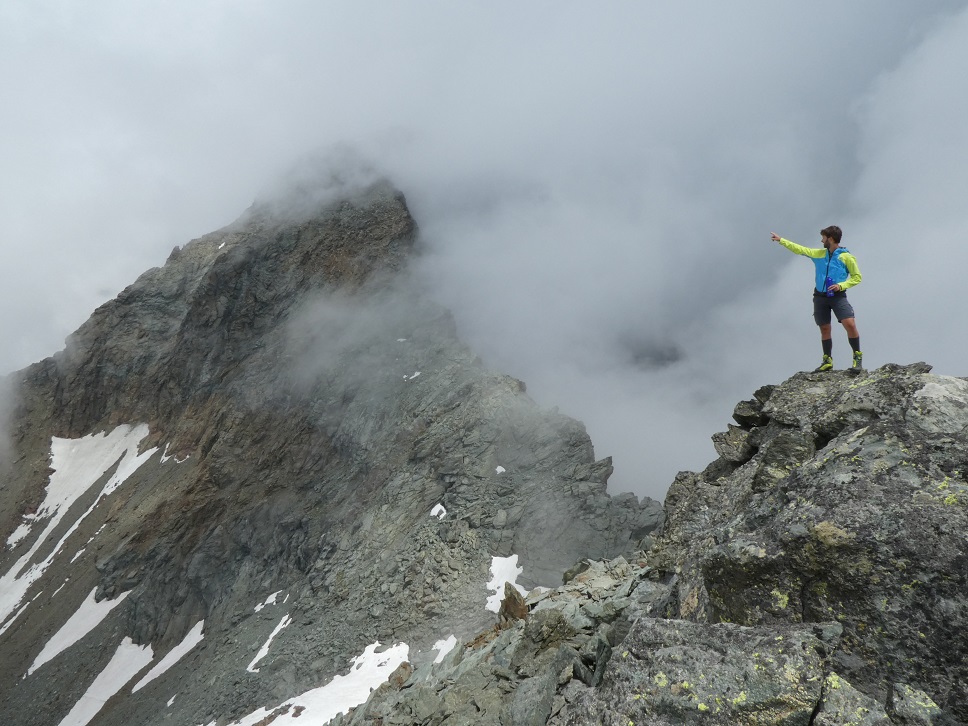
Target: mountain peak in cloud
[293,410]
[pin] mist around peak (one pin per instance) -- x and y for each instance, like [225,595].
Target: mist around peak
[319,180]
[353,334]
[595,191]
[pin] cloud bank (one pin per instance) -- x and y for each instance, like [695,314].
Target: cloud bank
[595,187]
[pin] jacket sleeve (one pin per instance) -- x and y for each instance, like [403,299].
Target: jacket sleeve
[801,250]
[850,262]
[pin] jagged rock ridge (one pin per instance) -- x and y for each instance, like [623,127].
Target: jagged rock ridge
[815,573]
[286,411]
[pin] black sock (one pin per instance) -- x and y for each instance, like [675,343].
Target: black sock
[854,343]
[828,346]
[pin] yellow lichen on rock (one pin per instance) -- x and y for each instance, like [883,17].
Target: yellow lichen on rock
[831,535]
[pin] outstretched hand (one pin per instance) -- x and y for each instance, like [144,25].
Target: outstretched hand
[774,236]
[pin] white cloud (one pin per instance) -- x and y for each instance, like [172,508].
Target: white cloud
[597,186]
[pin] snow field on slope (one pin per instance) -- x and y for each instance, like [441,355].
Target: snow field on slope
[264,650]
[77,465]
[318,706]
[83,621]
[128,659]
[193,638]
[82,462]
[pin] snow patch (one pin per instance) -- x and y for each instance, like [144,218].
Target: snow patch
[503,569]
[443,647]
[126,662]
[165,458]
[264,650]
[410,378]
[318,706]
[193,638]
[172,700]
[438,511]
[77,465]
[81,551]
[500,470]
[87,617]
[22,531]
[271,600]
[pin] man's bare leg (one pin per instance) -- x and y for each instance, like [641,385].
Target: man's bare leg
[853,337]
[825,339]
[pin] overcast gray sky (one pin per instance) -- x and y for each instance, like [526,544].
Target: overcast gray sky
[596,184]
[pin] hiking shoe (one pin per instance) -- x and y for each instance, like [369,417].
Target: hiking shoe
[826,365]
[858,361]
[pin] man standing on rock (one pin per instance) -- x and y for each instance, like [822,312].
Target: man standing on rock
[836,270]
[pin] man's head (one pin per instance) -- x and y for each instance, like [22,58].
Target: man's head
[831,235]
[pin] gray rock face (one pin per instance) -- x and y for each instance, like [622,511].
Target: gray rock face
[815,574]
[310,409]
[852,506]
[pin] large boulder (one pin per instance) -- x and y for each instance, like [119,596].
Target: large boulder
[849,505]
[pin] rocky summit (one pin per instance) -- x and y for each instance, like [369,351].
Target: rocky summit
[815,573]
[267,482]
[268,468]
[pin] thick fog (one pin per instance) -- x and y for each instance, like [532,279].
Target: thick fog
[595,186]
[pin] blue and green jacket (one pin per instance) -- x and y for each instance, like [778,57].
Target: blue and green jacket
[841,267]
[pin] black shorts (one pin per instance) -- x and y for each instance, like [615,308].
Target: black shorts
[822,305]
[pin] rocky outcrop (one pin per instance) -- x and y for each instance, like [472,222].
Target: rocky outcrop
[315,430]
[814,574]
[850,506]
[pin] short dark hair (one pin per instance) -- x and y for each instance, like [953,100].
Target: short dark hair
[833,232]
